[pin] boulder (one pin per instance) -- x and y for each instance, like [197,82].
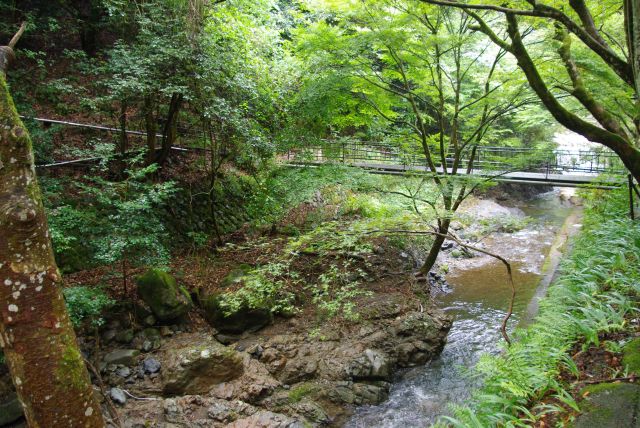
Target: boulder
[266,419]
[197,367]
[245,319]
[125,357]
[160,291]
[10,410]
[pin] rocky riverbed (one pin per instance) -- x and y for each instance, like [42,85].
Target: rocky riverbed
[296,369]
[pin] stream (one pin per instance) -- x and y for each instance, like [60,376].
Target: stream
[477,299]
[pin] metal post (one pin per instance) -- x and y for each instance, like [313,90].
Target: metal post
[631,213]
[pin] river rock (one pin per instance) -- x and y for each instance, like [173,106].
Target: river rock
[151,365]
[10,409]
[123,371]
[117,395]
[197,364]
[121,356]
[159,290]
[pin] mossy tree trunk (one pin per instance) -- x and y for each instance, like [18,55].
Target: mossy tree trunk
[36,334]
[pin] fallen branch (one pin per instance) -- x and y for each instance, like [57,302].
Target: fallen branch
[140,398]
[503,327]
[113,412]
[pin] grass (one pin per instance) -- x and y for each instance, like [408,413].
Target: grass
[596,291]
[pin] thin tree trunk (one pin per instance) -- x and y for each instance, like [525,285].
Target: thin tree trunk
[36,334]
[170,132]
[443,230]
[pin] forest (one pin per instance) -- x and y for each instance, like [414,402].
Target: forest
[319,213]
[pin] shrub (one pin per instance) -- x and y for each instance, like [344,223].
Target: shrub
[86,305]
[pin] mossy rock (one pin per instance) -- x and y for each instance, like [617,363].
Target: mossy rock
[610,405]
[245,319]
[159,290]
[631,356]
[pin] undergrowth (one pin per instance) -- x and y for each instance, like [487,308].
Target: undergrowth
[595,293]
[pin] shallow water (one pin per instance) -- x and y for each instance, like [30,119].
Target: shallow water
[478,300]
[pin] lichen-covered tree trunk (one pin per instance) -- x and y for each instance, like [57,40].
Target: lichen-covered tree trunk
[36,335]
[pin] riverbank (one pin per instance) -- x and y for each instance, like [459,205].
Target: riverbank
[578,339]
[477,297]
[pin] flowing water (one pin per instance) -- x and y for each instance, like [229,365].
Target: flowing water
[477,300]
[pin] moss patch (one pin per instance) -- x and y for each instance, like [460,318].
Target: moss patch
[631,356]
[71,370]
[301,391]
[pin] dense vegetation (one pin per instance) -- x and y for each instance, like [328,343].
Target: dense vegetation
[197,104]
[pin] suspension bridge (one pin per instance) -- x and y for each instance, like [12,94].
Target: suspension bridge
[562,168]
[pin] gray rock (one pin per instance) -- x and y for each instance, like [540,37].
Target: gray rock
[371,365]
[117,395]
[219,412]
[10,410]
[123,371]
[147,346]
[195,369]
[151,365]
[121,356]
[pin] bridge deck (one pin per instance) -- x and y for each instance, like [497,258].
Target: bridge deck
[535,178]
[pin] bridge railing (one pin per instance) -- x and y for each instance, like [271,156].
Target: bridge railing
[486,158]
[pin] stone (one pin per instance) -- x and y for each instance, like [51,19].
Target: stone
[10,410]
[160,292]
[245,319]
[125,336]
[219,412]
[226,339]
[123,371]
[265,419]
[371,365]
[196,369]
[610,405]
[147,345]
[125,357]
[165,331]
[109,335]
[117,395]
[151,365]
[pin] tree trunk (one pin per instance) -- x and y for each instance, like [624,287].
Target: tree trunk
[443,229]
[170,131]
[36,335]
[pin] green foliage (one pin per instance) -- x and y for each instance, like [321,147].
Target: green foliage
[86,305]
[595,293]
[111,221]
[336,290]
[261,288]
